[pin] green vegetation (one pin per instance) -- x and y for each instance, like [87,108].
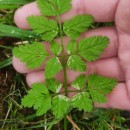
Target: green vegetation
[40,97]
[52,104]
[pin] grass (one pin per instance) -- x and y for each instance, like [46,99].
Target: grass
[13,87]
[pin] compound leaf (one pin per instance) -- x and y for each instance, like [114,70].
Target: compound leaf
[46,8]
[32,54]
[49,36]
[62,6]
[91,48]
[82,102]
[79,82]
[53,66]
[99,86]
[54,7]
[60,106]
[53,85]
[98,96]
[41,25]
[76,25]
[45,105]
[38,98]
[55,48]
[75,63]
[71,47]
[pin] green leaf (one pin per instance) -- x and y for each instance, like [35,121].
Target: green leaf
[53,66]
[6,62]
[82,102]
[41,25]
[53,85]
[54,7]
[38,98]
[99,86]
[62,6]
[46,8]
[4,6]
[91,48]
[60,106]
[48,36]
[75,63]
[15,2]
[71,47]
[45,105]
[55,48]
[32,54]
[11,31]
[76,25]
[98,96]
[79,82]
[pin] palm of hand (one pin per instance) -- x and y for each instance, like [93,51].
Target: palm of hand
[114,62]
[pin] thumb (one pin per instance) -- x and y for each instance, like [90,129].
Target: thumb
[122,16]
[123,27]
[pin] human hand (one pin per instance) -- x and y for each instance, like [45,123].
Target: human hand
[114,62]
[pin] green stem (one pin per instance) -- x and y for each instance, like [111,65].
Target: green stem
[76,91]
[64,65]
[60,93]
[65,80]
[65,123]
[63,55]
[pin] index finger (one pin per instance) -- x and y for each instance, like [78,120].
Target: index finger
[101,10]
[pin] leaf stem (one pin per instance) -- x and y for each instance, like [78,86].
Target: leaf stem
[65,123]
[63,55]
[63,92]
[63,64]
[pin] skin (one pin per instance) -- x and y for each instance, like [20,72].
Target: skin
[114,62]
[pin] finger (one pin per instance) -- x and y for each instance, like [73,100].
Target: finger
[109,68]
[117,99]
[110,51]
[123,16]
[102,11]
